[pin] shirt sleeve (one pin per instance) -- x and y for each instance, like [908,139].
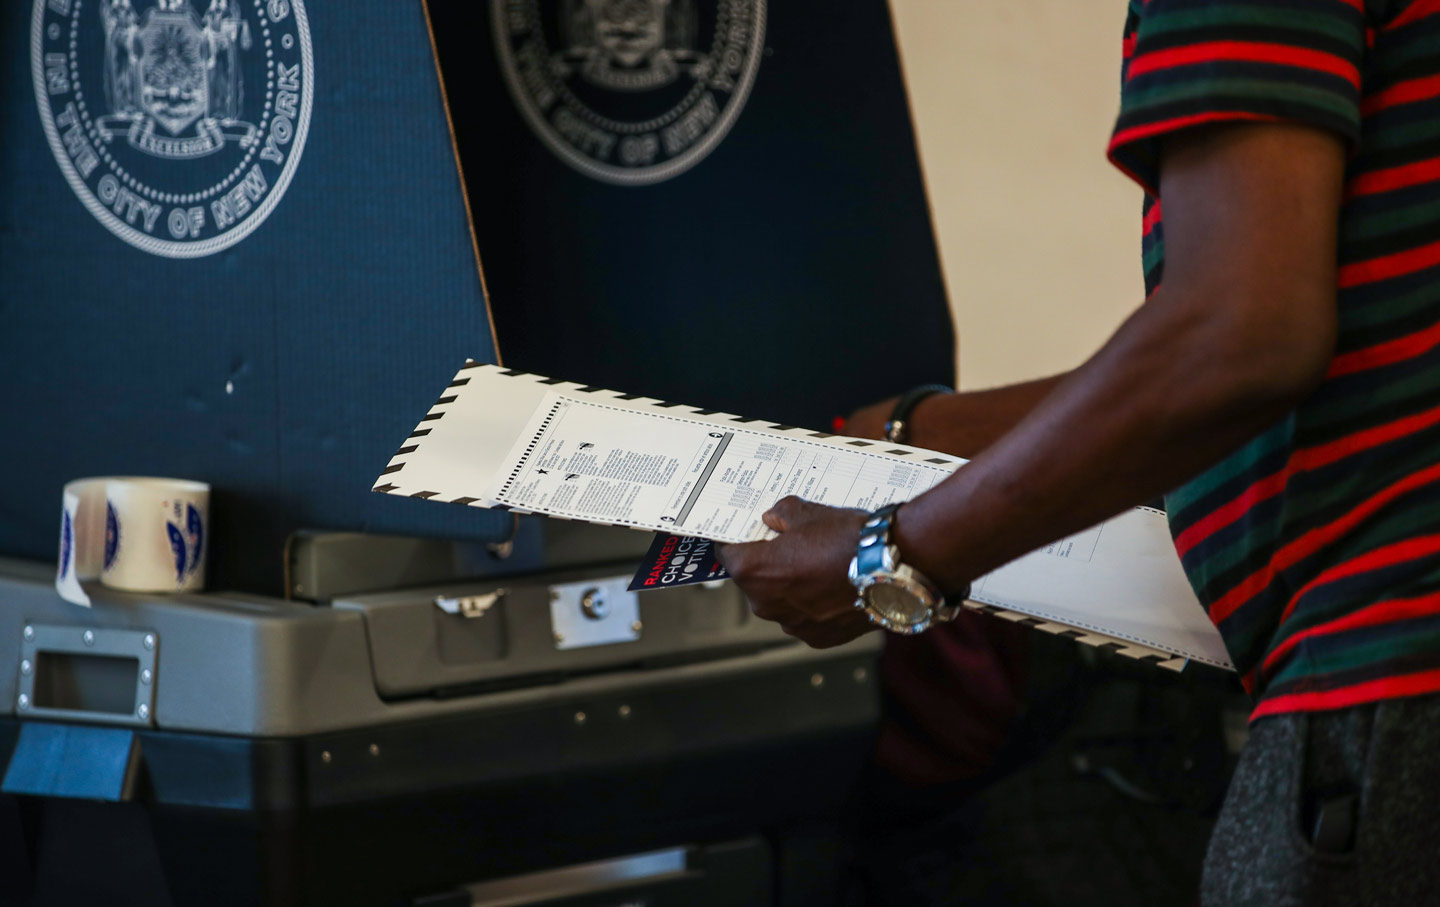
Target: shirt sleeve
[1193,62]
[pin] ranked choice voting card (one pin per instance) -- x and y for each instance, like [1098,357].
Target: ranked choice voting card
[678,560]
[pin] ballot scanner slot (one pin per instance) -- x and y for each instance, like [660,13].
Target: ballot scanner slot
[473,637]
[72,682]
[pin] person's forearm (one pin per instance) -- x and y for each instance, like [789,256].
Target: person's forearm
[1173,391]
[1242,330]
[966,423]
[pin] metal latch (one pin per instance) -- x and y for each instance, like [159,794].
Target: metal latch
[470,605]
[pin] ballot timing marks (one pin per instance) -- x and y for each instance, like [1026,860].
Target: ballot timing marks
[178,123]
[630,92]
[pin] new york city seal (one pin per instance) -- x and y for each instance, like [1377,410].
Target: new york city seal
[630,92]
[178,123]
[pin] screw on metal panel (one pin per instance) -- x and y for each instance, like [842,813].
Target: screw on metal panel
[637,626]
[559,637]
[29,633]
[143,711]
[89,637]
[146,676]
[299,588]
[579,717]
[861,674]
[24,701]
[149,641]
[374,749]
[26,667]
[624,711]
[593,604]
[325,756]
[817,680]
[554,596]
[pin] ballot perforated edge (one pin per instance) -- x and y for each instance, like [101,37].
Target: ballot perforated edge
[1105,642]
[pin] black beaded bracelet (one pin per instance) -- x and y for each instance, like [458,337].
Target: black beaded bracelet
[897,430]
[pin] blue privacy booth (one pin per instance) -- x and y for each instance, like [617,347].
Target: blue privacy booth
[241,243]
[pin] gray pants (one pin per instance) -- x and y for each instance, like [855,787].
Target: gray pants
[1333,808]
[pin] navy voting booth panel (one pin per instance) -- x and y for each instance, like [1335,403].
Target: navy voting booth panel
[258,290]
[235,246]
[726,211]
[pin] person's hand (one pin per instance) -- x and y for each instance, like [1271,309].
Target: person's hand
[869,421]
[801,580]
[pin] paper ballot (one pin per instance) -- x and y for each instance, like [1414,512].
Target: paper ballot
[588,459]
[500,438]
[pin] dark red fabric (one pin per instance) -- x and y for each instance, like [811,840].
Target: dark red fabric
[953,695]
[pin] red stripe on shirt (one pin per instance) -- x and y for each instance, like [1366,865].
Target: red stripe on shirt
[1384,556]
[1387,353]
[1152,217]
[1148,130]
[1392,178]
[1314,540]
[1406,92]
[1243,52]
[1302,460]
[1417,10]
[1233,509]
[1388,266]
[1386,612]
[1415,684]
[1248,681]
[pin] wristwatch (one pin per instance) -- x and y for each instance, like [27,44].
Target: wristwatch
[897,430]
[893,595]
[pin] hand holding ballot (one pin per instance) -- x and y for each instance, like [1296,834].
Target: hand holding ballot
[798,579]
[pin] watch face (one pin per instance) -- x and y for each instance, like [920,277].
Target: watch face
[896,604]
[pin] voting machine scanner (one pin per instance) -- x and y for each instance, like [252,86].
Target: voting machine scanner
[385,748]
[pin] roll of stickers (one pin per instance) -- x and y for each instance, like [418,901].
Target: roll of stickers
[132,533]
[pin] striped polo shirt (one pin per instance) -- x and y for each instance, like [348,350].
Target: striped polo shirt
[1315,547]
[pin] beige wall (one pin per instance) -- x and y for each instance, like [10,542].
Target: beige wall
[1039,236]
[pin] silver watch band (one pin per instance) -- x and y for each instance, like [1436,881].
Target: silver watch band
[893,595]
